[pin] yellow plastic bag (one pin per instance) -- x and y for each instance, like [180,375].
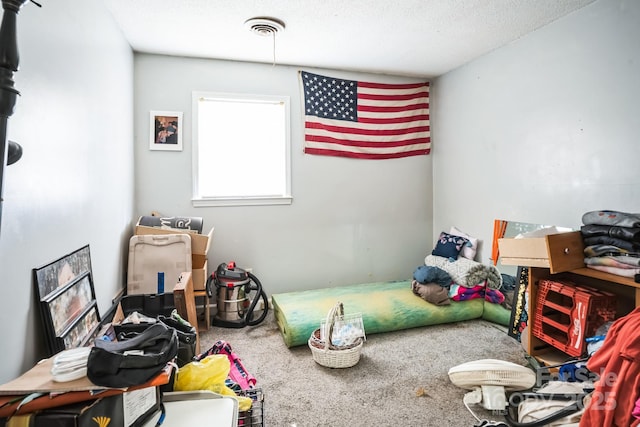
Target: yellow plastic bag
[209,374]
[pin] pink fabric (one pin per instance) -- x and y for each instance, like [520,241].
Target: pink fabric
[462,293]
[636,410]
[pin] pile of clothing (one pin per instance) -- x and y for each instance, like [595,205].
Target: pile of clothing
[612,242]
[439,286]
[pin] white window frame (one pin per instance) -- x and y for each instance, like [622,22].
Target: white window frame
[203,201]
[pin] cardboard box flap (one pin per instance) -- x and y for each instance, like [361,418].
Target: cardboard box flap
[39,380]
[200,243]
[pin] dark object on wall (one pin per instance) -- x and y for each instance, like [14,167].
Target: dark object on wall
[14,153]
[9,60]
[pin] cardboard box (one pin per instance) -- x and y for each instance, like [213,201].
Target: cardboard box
[558,252]
[199,276]
[200,243]
[156,262]
[129,409]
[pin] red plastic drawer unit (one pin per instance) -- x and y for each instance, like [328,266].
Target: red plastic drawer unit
[566,314]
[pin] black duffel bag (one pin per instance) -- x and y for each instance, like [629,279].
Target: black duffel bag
[120,364]
[187,337]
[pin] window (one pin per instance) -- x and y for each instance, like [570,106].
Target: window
[241,149]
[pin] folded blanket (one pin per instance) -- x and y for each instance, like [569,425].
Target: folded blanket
[614,261]
[466,272]
[605,217]
[429,274]
[494,296]
[601,250]
[624,233]
[482,272]
[431,292]
[625,272]
[461,293]
[614,241]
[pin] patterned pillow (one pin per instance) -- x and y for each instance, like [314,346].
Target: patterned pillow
[470,249]
[449,246]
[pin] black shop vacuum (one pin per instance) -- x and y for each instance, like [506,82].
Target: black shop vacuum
[238,295]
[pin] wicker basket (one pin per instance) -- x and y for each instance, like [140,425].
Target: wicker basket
[329,355]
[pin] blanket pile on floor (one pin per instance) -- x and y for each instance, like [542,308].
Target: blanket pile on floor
[466,272]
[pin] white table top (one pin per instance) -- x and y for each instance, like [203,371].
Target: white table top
[198,408]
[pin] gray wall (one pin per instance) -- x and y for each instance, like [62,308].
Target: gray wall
[544,129]
[351,221]
[538,131]
[74,184]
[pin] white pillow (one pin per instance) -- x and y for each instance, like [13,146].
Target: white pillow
[470,249]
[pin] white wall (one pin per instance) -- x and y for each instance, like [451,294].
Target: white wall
[351,221]
[74,183]
[541,130]
[544,129]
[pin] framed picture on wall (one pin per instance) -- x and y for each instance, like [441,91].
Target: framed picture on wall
[165,130]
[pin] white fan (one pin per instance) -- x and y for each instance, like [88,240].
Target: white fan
[489,379]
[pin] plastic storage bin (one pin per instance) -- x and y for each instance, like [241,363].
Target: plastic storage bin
[254,417]
[566,314]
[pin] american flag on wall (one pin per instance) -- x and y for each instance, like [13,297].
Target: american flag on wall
[363,120]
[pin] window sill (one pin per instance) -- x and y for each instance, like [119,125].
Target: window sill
[241,201]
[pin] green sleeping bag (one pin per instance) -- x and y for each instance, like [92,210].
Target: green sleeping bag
[385,307]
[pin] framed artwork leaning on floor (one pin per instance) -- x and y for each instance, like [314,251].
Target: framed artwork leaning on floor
[68,306]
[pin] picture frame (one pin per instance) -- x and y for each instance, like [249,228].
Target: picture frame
[57,283]
[65,306]
[83,330]
[56,274]
[165,130]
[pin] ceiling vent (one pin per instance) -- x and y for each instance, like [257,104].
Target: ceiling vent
[264,26]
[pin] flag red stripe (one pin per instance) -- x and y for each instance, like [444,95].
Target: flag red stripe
[370,156]
[396,109]
[398,97]
[344,129]
[392,85]
[364,143]
[394,120]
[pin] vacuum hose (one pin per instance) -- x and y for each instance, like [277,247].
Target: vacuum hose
[260,294]
[244,281]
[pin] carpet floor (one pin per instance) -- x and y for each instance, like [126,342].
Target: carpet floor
[400,380]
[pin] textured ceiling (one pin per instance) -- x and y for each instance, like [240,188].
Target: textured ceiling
[424,38]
